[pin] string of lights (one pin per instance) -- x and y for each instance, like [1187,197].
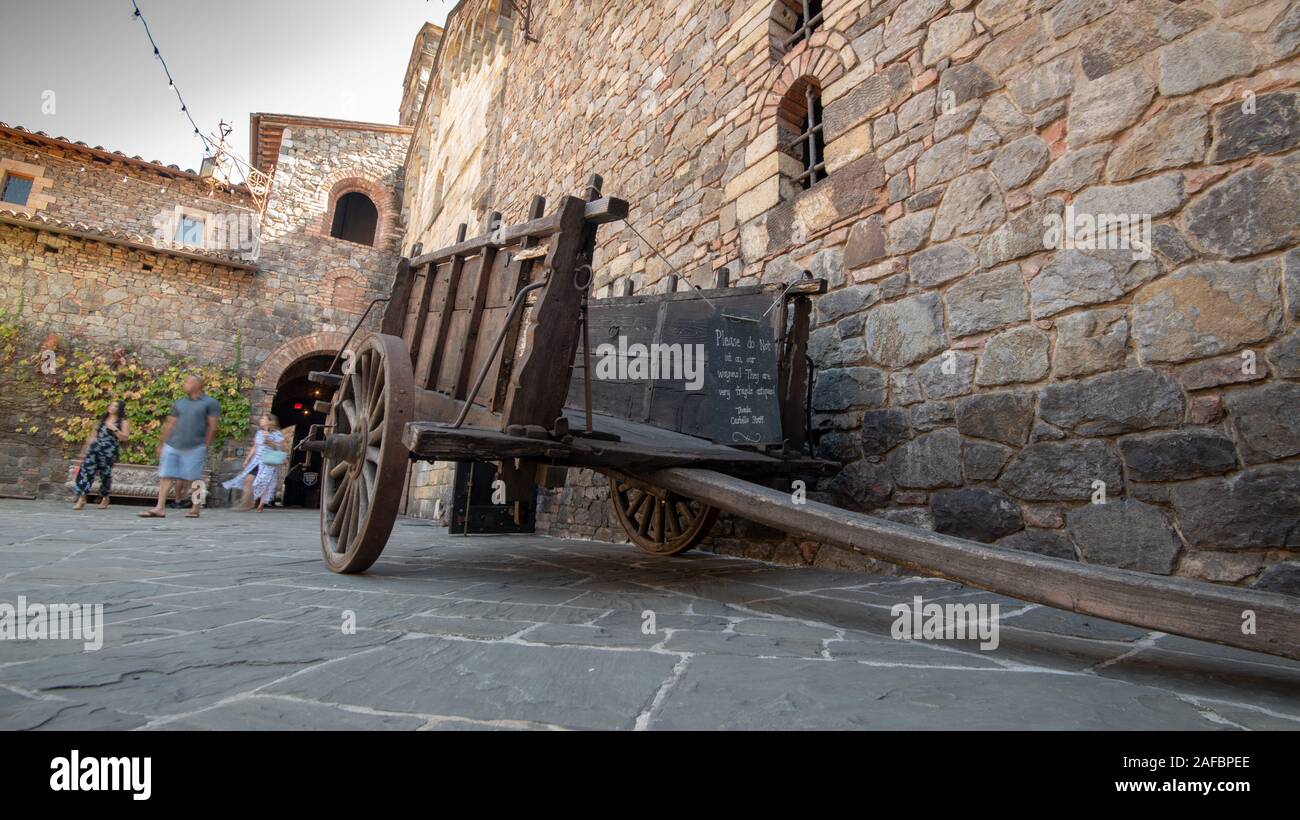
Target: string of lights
[171,83]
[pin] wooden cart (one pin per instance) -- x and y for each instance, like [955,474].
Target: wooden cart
[482,356]
[486,353]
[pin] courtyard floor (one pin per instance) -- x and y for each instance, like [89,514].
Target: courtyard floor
[232,622]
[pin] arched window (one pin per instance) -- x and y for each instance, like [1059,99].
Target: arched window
[800,131]
[355,219]
[803,18]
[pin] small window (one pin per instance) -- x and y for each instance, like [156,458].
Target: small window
[802,134]
[190,230]
[16,189]
[355,219]
[807,19]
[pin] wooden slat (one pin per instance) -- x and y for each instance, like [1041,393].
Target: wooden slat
[430,404]
[438,355]
[472,298]
[491,321]
[1194,609]
[453,353]
[433,321]
[417,309]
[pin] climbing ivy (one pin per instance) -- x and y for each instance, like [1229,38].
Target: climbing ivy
[91,381]
[59,388]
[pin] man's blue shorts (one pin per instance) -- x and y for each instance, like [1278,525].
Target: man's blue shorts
[186,465]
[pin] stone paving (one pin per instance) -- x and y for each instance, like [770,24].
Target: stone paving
[232,622]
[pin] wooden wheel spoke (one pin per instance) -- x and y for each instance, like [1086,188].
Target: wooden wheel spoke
[338,492]
[339,506]
[635,507]
[355,388]
[657,521]
[364,494]
[350,412]
[368,475]
[377,389]
[671,523]
[643,527]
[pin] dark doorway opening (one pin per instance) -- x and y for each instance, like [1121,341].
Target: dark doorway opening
[475,510]
[355,219]
[294,405]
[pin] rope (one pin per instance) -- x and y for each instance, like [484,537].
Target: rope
[673,267]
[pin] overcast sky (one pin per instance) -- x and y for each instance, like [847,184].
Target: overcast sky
[327,58]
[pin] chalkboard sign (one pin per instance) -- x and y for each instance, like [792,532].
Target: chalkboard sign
[741,379]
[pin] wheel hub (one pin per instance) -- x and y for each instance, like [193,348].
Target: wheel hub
[339,447]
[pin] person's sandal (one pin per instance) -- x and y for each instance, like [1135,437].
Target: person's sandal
[103,503]
[151,514]
[80,504]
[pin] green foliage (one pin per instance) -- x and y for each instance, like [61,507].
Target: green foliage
[91,381]
[66,404]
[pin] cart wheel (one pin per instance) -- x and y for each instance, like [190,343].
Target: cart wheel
[365,461]
[658,521]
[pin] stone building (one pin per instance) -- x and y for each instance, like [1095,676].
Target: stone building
[107,249]
[977,373]
[1061,240]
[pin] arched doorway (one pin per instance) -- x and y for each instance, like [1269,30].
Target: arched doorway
[294,404]
[282,388]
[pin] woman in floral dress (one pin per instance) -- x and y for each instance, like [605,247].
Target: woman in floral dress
[259,470]
[101,453]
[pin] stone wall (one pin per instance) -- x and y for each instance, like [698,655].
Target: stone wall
[975,374]
[319,284]
[100,289]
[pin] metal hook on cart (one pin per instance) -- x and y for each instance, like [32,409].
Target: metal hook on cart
[590,276]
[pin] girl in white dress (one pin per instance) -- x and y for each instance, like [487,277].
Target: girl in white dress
[262,466]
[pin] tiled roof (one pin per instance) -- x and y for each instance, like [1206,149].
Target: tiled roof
[99,149]
[40,221]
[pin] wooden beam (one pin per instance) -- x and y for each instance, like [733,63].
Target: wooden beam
[1194,609]
[522,275]
[395,310]
[430,441]
[606,209]
[540,382]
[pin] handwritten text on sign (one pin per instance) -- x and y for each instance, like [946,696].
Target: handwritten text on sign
[741,378]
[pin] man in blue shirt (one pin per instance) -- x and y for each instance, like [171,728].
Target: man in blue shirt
[183,446]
